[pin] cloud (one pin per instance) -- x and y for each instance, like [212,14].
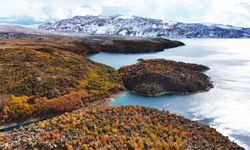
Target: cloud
[235,12]
[46,9]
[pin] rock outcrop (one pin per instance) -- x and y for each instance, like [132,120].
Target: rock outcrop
[158,76]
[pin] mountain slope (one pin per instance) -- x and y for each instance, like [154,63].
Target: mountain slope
[144,27]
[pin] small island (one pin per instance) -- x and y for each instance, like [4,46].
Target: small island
[158,77]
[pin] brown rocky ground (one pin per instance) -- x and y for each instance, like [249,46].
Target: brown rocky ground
[158,76]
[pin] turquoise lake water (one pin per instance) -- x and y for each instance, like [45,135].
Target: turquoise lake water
[226,107]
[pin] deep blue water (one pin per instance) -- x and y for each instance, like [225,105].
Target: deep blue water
[226,107]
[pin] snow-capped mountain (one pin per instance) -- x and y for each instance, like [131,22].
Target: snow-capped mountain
[144,27]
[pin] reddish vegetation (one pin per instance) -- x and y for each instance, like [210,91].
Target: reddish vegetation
[128,127]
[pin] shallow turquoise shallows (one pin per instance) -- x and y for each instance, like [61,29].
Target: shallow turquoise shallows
[226,107]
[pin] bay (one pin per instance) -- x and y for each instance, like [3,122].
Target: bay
[226,107]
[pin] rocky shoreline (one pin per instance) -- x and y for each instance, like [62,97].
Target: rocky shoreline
[158,77]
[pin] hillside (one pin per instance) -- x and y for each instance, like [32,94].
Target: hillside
[143,27]
[122,127]
[40,81]
[85,44]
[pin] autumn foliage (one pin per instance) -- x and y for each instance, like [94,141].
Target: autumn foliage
[48,81]
[121,127]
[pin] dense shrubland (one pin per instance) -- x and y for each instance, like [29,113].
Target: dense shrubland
[44,81]
[122,127]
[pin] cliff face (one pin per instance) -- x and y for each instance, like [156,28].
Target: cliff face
[157,77]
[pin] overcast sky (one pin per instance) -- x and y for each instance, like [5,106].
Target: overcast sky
[234,12]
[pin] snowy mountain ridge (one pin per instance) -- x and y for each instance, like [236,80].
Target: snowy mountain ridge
[143,27]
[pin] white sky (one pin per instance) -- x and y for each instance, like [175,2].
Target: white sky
[234,12]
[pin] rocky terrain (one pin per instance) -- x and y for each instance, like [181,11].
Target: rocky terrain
[122,127]
[143,27]
[157,77]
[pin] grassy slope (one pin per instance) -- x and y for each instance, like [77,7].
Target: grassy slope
[36,81]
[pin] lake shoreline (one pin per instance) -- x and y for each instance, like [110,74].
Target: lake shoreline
[229,62]
[93,81]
